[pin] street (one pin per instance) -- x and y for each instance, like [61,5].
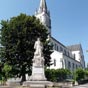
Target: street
[81,86]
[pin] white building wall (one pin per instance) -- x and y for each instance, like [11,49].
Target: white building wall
[57,57]
[77,55]
[61,48]
[64,57]
[71,63]
[63,61]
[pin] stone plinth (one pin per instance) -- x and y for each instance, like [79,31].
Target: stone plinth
[37,84]
[13,82]
[37,74]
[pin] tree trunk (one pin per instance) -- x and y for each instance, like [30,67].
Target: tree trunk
[23,78]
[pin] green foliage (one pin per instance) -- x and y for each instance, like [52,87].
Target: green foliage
[18,37]
[79,74]
[1,73]
[51,74]
[62,74]
[57,75]
[86,73]
[6,71]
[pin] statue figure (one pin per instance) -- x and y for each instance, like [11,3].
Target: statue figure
[38,46]
[38,59]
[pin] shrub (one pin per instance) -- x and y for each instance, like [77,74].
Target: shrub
[79,74]
[57,75]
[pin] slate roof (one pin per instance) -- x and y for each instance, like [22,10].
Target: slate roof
[58,42]
[75,47]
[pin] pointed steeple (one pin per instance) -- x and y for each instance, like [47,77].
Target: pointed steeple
[44,15]
[43,6]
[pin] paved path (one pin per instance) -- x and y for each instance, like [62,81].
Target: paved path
[81,86]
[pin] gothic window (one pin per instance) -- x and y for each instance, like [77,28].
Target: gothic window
[65,52]
[76,66]
[81,56]
[54,62]
[62,63]
[61,49]
[74,55]
[68,54]
[65,63]
[69,64]
[57,48]
[73,65]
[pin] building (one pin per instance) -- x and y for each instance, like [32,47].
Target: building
[70,57]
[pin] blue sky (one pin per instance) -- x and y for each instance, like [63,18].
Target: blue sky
[69,18]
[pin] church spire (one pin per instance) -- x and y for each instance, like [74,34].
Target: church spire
[43,6]
[44,15]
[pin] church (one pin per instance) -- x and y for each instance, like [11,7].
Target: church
[67,57]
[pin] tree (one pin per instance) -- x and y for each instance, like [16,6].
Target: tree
[18,37]
[6,70]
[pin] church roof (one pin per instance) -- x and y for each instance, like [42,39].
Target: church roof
[74,47]
[58,42]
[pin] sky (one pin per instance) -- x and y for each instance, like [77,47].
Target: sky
[69,18]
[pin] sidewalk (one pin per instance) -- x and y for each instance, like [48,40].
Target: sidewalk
[81,86]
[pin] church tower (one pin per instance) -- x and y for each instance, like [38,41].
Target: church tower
[44,15]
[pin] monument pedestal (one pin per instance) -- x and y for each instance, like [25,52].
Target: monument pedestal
[37,74]
[37,79]
[37,84]
[13,82]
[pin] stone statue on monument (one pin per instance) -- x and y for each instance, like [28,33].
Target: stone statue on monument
[38,59]
[38,46]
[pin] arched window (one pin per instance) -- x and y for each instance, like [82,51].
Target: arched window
[61,49]
[54,62]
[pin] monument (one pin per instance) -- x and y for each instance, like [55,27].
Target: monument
[38,63]
[38,79]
